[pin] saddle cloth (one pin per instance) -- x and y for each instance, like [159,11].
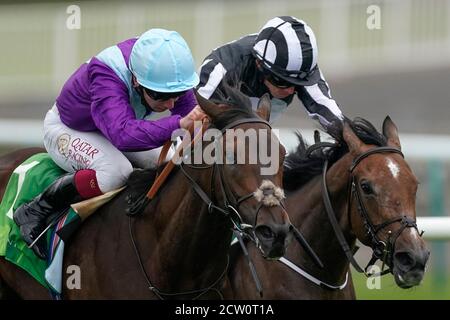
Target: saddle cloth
[26,182]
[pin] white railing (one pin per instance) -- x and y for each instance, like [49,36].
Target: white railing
[414,146]
[436,228]
[21,132]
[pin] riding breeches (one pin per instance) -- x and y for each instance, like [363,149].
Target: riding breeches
[74,150]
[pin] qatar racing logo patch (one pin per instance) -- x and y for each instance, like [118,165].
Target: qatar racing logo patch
[63,143]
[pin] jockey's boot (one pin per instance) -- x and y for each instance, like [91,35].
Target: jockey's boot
[34,216]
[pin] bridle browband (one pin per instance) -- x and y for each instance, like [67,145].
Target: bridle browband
[381,250]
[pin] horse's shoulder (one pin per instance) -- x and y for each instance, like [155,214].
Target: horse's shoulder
[140,181]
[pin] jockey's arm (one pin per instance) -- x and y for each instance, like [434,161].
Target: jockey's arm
[319,103]
[212,72]
[115,118]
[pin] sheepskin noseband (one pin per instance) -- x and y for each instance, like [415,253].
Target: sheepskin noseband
[269,194]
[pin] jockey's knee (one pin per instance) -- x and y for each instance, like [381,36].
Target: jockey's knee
[114,177]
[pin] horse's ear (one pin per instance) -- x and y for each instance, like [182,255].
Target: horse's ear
[355,145]
[390,131]
[264,107]
[210,108]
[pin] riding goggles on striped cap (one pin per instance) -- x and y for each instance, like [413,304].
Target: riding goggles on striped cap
[279,82]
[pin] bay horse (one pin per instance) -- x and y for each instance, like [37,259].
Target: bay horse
[372,190]
[178,246]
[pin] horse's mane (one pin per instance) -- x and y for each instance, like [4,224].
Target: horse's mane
[140,181]
[237,104]
[301,167]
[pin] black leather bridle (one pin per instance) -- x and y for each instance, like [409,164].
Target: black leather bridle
[231,202]
[382,250]
[230,209]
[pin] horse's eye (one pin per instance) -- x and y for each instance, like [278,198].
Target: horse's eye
[366,187]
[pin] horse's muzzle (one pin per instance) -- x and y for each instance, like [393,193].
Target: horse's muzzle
[273,240]
[409,267]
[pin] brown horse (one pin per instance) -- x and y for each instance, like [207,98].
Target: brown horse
[373,192]
[180,243]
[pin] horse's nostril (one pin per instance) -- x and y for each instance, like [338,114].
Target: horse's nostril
[264,232]
[405,260]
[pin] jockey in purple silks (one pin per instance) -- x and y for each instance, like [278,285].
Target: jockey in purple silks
[101,124]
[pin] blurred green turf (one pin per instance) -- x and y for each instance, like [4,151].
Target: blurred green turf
[433,287]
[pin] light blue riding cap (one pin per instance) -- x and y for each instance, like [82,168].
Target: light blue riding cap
[162,61]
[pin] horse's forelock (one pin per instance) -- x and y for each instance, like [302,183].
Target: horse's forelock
[236,106]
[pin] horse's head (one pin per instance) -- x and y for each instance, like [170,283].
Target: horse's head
[383,211]
[249,182]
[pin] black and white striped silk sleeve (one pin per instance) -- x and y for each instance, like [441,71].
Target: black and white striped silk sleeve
[319,104]
[211,74]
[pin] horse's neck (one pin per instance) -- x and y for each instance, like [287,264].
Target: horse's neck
[315,224]
[192,243]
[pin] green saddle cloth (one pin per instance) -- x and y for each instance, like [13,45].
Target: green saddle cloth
[26,182]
